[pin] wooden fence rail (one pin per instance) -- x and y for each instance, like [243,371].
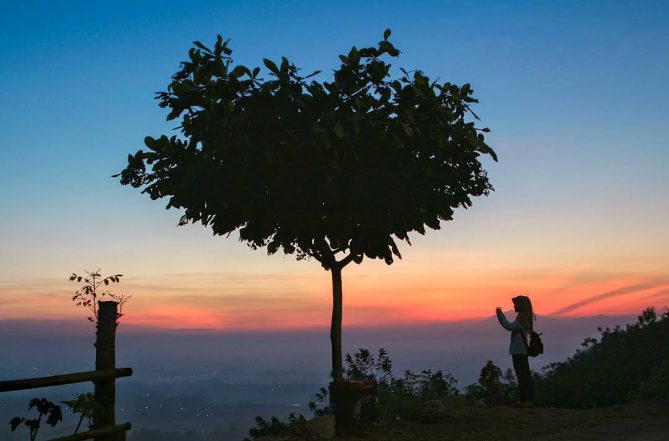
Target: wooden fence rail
[103,377]
[119,431]
[57,380]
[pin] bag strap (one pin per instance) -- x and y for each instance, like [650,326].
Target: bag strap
[524,339]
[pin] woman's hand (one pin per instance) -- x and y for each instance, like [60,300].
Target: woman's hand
[498,310]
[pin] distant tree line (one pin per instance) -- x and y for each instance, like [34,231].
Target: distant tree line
[625,364]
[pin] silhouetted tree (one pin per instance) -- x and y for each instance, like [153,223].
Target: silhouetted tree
[331,170]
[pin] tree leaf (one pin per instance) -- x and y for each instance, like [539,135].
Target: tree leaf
[55,415]
[238,71]
[271,66]
[203,47]
[15,422]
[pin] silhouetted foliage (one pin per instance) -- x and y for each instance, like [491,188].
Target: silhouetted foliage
[333,170]
[44,408]
[363,365]
[625,364]
[317,406]
[83,404]
[89,293]
[398,397]
[494,386]
[295,426]
[656,386]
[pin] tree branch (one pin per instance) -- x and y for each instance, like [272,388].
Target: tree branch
[323,253]
[340,250]
[346,260]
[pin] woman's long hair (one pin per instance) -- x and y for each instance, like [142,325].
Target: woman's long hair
[524,305]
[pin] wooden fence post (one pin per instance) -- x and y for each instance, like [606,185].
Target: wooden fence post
[105,358]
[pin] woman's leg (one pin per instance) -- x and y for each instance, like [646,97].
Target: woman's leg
[530,382]
[522,368]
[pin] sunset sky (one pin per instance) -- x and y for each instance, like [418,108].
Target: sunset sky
[575,94]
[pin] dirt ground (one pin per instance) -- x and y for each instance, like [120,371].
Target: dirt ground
[634,422]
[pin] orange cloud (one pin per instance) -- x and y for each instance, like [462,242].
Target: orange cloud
[374,294]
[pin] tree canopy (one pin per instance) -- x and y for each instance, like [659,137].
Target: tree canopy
[310,167]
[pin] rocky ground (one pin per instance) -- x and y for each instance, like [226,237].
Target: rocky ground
[460,419]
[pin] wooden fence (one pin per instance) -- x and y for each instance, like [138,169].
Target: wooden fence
[103,377]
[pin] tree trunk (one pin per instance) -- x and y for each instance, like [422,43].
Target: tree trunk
[335,327]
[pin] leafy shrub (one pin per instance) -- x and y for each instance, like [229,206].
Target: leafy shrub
[90,292]
[494,386]
[85,405]
[404,398]
[398,397]
[44,408]
[274,427]
[317,406]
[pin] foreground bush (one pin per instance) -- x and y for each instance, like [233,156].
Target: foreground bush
[494,386]
[399,398]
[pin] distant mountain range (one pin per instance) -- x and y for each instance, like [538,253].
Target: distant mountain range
[462,347]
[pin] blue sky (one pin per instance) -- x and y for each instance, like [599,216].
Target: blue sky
[574,92]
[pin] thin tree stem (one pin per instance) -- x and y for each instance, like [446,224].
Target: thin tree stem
[335,327]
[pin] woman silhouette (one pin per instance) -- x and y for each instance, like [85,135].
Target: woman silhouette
[520,329]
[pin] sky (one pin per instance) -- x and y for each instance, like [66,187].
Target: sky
[574,94]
